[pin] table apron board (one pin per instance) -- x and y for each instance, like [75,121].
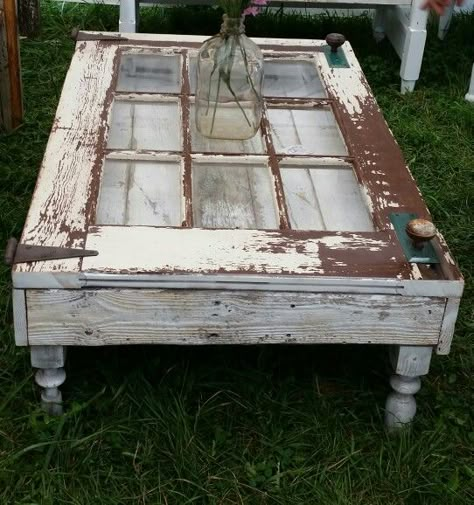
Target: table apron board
[96,317]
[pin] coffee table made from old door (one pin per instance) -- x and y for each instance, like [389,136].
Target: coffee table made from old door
[290,237]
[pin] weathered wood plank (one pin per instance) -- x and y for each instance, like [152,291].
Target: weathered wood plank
[11,101]
[29,21]
[103,317]
[62,205]
[221,251]
[19,317]
[447,329]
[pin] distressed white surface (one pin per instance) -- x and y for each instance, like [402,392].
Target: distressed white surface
[102,317]
[210,251]
[347,84]
[69,158]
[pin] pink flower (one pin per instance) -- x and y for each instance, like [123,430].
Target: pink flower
[251,11]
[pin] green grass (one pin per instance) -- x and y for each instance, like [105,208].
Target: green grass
[273,425]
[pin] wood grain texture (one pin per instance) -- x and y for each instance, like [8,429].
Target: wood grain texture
[11,101]
[103,317]
[449,322]
[72,160]
[19,317]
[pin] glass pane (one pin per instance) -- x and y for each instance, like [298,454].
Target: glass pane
[192,74]
[306,131]
[149,73]
[145,125]
[297,79]
[203,144]
[140,193]
[233,195]
[324,198]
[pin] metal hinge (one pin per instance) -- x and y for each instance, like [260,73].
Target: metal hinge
[23,253]
[415,237]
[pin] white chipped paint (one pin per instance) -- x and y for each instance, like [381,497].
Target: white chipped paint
[347,84]
[54,216]
[355,242]
[213,251]
[367,198]
[200,250]
[415,273]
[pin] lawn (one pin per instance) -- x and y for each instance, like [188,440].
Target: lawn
[254,425]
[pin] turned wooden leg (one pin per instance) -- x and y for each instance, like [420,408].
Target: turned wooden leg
[409,363]
[50,360]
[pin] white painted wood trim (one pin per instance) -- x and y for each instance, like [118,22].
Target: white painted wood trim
[110,317]
[20,322]
[448,326]
[54,216]
[212,251]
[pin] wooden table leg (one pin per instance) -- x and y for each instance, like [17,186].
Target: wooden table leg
[409,363]
[50,360]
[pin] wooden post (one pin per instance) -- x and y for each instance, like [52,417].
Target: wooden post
[11,104]
[29,17]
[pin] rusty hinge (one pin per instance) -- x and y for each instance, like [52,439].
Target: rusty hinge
[23,253]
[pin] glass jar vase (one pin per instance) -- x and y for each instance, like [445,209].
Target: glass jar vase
[229,84]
